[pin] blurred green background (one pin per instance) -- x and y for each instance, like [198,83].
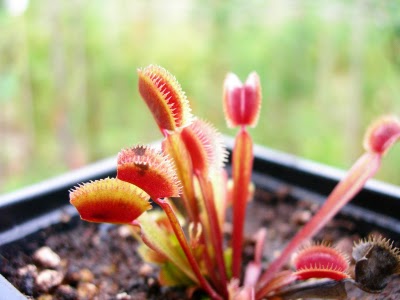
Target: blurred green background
[68,82]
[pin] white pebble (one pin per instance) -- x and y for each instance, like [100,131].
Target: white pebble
[48,279]
[47,257]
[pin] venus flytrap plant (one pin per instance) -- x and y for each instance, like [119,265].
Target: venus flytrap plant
[188,246]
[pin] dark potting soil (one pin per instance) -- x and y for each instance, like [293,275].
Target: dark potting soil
[80,260]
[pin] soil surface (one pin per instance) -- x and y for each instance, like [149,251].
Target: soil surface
[80,260]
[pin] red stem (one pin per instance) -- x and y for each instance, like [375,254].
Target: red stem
[185,247]
[210,265]
[364,168]
[216,233]
[280,280]
[242,164]
[253,269]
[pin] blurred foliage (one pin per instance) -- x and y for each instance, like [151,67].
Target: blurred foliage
[68,92]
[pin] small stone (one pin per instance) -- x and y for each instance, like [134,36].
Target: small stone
[96,240]
[151,281]
[86,275]
[28,270]
[45,297]
[125,231]
[48,279]
[87,290]
[66,292]
[301,217]
[123,296]
[72,275]
[47,257]
[108,270]
[145,270]
[27,277]
[65,217]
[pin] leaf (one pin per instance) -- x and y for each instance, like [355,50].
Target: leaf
[376,260]
[150,256]
[321,261]
[164,97]
[171,276]
[109,201]
[149,169]
[156,238]
[382,134]
[242,102]
[205,146]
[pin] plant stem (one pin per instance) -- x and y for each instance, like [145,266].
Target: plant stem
[185,247]
[216,233]
[364,168]
[253,269]
[242,164]
[176,149]
[279,281]
[210,265]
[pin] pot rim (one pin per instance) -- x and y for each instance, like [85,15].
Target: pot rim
[40,203]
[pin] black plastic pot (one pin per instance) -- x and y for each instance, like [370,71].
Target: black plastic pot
[31,209]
